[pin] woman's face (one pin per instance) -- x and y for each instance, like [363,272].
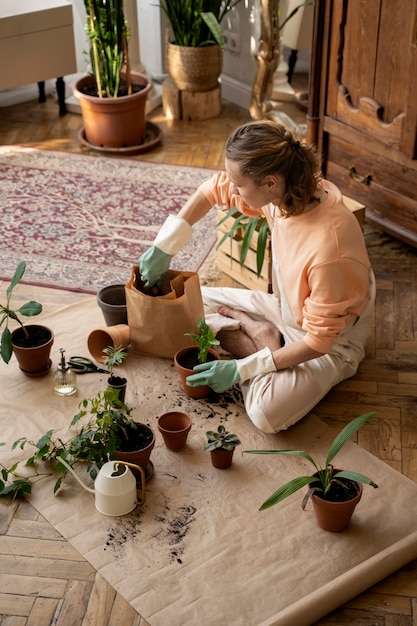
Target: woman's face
[256,196]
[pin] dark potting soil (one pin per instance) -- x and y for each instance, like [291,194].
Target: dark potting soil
[37,337]
[138,438]
[190,359]
[341,490]
[116,381]
[90,90]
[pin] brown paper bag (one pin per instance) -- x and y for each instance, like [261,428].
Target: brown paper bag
[158,323]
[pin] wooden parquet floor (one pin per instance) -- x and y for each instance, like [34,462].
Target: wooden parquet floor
[45,582]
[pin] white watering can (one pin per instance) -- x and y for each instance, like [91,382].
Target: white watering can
[115,487]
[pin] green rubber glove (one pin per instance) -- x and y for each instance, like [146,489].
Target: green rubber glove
[153,264]
[219,375]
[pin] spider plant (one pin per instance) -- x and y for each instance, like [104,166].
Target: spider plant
[323,477]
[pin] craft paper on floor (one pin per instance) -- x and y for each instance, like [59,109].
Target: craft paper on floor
[92,215]
[199,546]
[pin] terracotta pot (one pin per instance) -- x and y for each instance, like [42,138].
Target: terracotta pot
[101,338]
[222,459]
[335,516]
[174,428]
[194,68]
[112,302]
[114,122]
[141,455]
[33,357]
[193,392]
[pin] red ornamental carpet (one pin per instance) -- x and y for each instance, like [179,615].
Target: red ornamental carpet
[82,221]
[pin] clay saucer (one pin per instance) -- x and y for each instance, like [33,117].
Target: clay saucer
[153,136]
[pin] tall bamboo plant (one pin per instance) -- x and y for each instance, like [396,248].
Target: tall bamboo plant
[196,23]
[107,29]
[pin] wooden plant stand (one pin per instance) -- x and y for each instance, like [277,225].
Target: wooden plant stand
[192,106]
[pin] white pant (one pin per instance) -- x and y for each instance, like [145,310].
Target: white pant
[277,400]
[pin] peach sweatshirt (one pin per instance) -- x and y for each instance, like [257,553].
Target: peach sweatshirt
[322,258]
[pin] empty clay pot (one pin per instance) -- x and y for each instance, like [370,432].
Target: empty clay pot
[174,428]
[112,302]
[101,338]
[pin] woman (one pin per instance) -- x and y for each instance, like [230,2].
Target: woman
[291,347]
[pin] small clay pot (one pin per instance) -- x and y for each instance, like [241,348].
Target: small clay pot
[102,338]
[335,516]
[174,428]
[33,355]
[222,459]
[112,302]
[193,392]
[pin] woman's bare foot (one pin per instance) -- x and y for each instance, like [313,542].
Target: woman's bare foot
[260,333]
[238,343]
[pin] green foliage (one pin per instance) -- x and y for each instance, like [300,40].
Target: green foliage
[94,443]
[221,440]
[29,309]
[248,226]
[115,355]
[107,29]
[325,476]
[196,23]
[205,339]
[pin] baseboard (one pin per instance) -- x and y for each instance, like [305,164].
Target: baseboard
[235,91]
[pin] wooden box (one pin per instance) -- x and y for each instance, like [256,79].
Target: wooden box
[228,258]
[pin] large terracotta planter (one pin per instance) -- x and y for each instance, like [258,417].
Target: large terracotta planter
[335,516]
[139,456]
[114,122]
[33,356]
[194,68]
[193,392]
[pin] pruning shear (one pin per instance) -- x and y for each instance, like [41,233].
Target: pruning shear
[83,365]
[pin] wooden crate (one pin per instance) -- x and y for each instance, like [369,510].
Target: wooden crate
[228,254]
[228,258]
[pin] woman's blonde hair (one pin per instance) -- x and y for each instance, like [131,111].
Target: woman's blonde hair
[264,148]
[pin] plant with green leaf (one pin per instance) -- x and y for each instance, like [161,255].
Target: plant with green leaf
[109,425]
[29,309]
[244,228]
[221,439]
[205,339]
[108,33]
[196,23]
[321,481]
[114,355]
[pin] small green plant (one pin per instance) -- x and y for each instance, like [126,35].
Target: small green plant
[205,339]
[115,355]
[108,426]
[221,440]
[29,309]
[248,226]
[323,477]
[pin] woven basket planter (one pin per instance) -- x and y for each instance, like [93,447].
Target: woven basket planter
[194,69]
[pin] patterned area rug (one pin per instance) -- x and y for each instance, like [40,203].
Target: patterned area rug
[82,221]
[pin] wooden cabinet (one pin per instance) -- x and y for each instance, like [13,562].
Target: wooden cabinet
[363,106]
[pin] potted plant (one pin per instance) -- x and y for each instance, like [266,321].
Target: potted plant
[186,358]
[31,344]
[221,445]
[112,98]
[334,492]
[110,433]
[115,355]
[244,249]
[194,56]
